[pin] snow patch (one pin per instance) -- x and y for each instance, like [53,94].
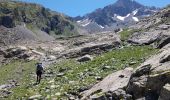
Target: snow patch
[135,12]
[85,24]
[135,19]
[121,18]
[101,26]
[78,21]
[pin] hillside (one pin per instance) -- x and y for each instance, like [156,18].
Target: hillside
[35,17]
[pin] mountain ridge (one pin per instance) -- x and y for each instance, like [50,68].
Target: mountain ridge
[110,15]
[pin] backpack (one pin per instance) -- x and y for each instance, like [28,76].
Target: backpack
[39,67]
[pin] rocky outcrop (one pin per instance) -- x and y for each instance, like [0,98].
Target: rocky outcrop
[91,44]
[150,77]
[90,48]
[113,84]
[19,52]
[149,81]
[22,52]
[144,37]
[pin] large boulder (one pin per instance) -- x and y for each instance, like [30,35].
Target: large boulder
[148,79]
[112,83]
[144,37]
[19,52]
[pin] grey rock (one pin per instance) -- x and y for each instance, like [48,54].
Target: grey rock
[144,37]
[85,58]
[111,83]
[143,70]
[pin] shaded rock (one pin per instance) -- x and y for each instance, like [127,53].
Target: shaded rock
[165,93]
[85,58]
[163,41]
[137,86]
[142,70]
[144,37]
[120,94]
[110,83]
[165,58]
[98,78]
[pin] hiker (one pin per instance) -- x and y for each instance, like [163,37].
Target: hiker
[39,71]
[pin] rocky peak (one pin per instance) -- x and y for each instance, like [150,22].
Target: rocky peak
[105,17]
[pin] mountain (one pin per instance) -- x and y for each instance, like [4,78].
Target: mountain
[120,14]
[34,18]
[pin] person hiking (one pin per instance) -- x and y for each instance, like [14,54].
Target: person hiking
[39,72]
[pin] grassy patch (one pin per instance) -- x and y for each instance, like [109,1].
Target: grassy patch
[126,33]
[78,75]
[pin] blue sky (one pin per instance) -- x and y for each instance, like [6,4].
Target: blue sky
[81,7]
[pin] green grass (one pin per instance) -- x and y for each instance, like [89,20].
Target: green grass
[126,33]
[78,74]
[19,71]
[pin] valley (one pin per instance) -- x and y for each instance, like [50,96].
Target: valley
[128,62]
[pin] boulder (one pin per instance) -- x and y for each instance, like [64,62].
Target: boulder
[111,83]
[149,78]
[85,58]
[165,93]
[19,52]
[144,37]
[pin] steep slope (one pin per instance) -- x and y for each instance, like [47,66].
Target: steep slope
[149,81]
[153,29]
[120,14]
[35,17]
